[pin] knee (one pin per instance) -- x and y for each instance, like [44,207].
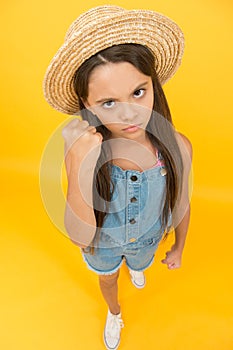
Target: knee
[109,280]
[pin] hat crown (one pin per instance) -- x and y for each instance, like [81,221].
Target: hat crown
[87,19]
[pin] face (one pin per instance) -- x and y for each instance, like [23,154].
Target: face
[122,97]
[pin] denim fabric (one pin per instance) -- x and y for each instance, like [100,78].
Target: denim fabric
[132,227]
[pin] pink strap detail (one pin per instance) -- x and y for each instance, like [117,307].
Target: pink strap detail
[159,161]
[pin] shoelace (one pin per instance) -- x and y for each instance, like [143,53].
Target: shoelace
[115,324]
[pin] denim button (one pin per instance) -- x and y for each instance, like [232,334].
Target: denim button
[134,178]
[133,199]
[132,221]
[132,240]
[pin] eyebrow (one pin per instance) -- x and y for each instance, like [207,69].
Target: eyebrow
[112,98]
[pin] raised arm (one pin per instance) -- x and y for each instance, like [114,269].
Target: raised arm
[82,149]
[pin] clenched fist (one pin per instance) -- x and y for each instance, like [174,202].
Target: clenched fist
[82,140]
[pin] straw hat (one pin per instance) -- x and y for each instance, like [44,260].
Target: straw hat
[100,28]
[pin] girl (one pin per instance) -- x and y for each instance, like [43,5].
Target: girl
[127,168]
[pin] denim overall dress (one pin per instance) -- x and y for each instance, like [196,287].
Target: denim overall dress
[132,228]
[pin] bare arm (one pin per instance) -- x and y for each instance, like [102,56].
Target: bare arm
[82,149]
[79,218]
[182,210]
[181,229]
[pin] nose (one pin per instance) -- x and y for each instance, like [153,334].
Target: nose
[128,112]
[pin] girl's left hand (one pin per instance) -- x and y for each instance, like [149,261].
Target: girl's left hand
[173,258]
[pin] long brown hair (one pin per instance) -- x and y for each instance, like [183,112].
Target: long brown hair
[160,128]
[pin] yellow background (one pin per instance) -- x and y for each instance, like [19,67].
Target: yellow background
[49,299]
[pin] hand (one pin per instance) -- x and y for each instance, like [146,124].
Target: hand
[81,138]
[173,258]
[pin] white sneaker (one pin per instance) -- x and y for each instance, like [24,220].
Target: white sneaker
[112,331]
[138,278]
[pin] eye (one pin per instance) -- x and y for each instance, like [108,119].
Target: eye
[108,104]
[139,93]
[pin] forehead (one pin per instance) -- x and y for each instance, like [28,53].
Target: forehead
[114,79]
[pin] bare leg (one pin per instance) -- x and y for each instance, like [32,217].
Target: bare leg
[109,289]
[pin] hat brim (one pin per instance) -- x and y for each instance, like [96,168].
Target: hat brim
[159,33]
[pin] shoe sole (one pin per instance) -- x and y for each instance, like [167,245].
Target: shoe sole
[137,285]
[107,347]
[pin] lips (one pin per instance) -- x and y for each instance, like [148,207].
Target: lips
[132,126]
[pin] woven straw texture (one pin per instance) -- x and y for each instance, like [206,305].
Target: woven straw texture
[100,28]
